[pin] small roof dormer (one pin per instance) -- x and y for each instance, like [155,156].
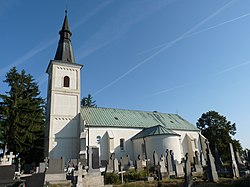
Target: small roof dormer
[64,50]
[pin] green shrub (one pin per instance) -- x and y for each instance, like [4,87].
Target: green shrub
[111,178]
[133,175]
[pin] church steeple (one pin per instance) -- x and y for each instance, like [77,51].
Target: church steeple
[64,50]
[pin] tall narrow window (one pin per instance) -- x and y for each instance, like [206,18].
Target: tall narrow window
[66,81]
[122,144]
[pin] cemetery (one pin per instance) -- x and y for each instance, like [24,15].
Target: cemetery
[163,170]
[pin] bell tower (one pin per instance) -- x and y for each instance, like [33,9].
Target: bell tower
[63,100]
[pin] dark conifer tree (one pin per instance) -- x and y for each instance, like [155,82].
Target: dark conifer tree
[22,117]
[88,101]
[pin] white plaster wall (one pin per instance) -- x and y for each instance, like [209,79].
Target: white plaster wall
[64,139]
[118,133]
[137,147]
[63,110]
[160,143]
[61,72]
[65,104]
[185,142]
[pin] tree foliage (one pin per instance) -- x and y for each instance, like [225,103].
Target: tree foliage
[219,131]
[22,118]
[88,101]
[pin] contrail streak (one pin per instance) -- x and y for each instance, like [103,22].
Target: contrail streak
[194,82]
[34,51]
[170,89]
[232,68]
[196,33]
[170,44]
[25,57]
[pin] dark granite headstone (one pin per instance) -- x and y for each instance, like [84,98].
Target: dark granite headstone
[155,158]
[188,173]
[27,168]
[95,158]
[36,180]
[7,174]
[218,162]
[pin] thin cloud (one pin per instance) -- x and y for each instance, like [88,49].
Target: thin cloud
[170,44]
[196,33]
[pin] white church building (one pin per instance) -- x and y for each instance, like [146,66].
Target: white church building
[70,129]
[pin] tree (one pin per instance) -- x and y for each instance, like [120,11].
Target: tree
[88,101]
[218,131]
[22,117]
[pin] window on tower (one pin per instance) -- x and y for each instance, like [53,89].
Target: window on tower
[66,81]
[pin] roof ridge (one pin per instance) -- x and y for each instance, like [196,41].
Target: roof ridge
[134,110]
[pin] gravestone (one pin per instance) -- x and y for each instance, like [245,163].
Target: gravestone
[7,159]
[56,166]
[55,170]
[139,163]
[188,179]
[73,163]
[196,158]
[36,180]
[197,165]
[116,166]
[202,158]
[211,170]
[218,162]
[170,162]
[7,173]
[93,155]
[155,158]
[79,175]
[42,167]
[234,166]
[125,162]
[179,172]
[156,165]
[110,165]
[27,168]
[163,169]
[238,158]
[172,172]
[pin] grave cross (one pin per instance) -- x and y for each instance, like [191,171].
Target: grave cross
[10,157]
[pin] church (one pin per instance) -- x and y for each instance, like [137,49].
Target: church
[71,129]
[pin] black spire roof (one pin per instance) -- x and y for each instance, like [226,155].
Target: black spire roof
[64,50]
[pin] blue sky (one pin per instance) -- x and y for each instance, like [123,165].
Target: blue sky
[172,56]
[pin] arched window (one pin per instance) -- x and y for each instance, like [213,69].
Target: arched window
[98,139]
[66,81]
[122,144]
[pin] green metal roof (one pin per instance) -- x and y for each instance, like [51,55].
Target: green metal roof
[153,131]
[110,117]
